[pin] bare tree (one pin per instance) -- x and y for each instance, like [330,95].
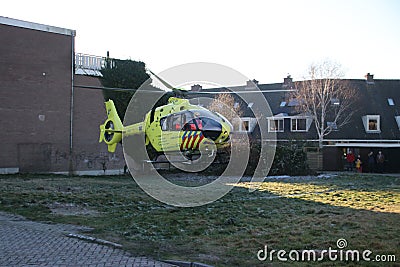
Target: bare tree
[224,104]
[326,97]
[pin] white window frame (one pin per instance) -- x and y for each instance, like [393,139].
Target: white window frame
[335,102]
[299,118]
[397,118]
[238,124]
[272,120]
[366,121]
[332,125]
[244,124]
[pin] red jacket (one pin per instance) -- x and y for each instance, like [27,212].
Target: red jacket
[350,157]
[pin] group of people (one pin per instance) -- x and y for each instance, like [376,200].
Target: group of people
[375,163]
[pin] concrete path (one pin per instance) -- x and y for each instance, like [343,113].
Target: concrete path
[27,243]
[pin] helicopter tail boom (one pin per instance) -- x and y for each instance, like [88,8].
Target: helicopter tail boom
[111,130]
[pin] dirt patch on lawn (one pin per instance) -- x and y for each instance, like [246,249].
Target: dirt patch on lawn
[71,209]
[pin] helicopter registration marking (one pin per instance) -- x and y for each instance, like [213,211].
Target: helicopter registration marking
[191,140]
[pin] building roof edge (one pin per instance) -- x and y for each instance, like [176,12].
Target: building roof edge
[35,26]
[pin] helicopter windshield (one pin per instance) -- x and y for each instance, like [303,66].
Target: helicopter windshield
[194,120]
[191,120]
[208,123]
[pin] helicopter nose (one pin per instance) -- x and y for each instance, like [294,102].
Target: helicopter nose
[225,133]
[211,128]
[213,132]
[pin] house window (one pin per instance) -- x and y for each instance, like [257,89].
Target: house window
[398,121]
[372,123]
[275,125]
[390,101]
[298,124]
[335,102]
[294,103]
[245,127]
[332,125]
[244,124]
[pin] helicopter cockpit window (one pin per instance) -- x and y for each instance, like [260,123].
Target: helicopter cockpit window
[176,122]
[163,123]
[193,125]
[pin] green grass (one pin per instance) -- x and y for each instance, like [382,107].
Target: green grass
[283,214]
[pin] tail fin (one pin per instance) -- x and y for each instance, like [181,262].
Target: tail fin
[111,130]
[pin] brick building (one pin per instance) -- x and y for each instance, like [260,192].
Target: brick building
[49,125]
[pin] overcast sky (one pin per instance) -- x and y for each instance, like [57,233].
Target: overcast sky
[264,40]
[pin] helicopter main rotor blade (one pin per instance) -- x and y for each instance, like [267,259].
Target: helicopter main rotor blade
[104,88]
[243,92]
[214,92]
[166,84]
[116,89]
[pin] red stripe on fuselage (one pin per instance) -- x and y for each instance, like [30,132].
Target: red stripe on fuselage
[194,140]
[188,141]
[198,143]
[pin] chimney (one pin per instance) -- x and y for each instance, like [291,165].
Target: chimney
[196,88]
[251,84]
[370,78]
[288,82]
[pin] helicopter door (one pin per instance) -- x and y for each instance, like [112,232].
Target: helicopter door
[192,133]
[172,123]
[171,127]
[180,131]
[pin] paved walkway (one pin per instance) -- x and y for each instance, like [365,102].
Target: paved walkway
[27,243]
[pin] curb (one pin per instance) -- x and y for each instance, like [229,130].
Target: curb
[94,240]
[115,245]
[186,263]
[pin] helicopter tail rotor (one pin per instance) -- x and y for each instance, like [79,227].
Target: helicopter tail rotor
[111,130]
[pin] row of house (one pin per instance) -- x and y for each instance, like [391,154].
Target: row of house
[374,125]
[51,115]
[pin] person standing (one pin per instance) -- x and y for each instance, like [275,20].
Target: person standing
[359,164]
[350,160]
[371,161]
[380,160]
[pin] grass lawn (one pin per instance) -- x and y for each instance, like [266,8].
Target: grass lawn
[285,214]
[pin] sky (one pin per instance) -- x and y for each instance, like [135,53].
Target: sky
[263,40]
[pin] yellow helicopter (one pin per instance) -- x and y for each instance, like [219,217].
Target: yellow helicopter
[178,126]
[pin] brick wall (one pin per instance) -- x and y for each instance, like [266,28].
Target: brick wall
[89,113]
[35,74]
[35,98]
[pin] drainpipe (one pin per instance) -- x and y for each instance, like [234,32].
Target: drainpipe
[71,111]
